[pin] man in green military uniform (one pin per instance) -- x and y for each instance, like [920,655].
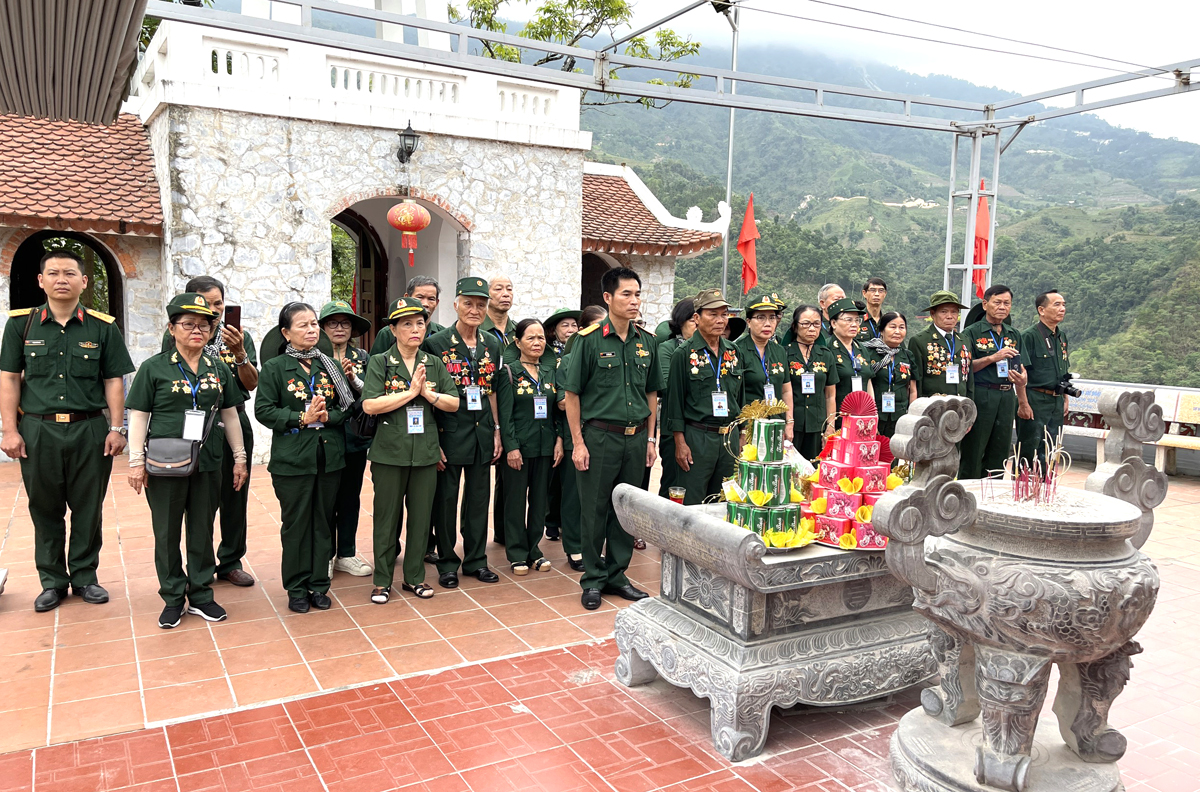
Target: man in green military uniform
[470,436]
[999,378]
[612,385]
[874,292]
[429,292]
[497,323]
[72,361]
[942,353]
[1045,352]
[235,347]
[705,397]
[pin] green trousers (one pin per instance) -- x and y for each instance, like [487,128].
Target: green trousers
[348,503]
[572,539]
[305,531]
[1047,418]
[525,508]
[65,466]
[398,488]
[809,444]
[172,501]
[233,503]
[606,547]
[666,457]
[554,496]
[989,441]
[711,464]
[473,516]
[498,501]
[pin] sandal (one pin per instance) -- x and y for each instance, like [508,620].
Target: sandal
[543,565]
[421,591]
[520,569]
[380,596]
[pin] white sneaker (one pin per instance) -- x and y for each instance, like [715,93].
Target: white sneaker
[353,565]
[331,569]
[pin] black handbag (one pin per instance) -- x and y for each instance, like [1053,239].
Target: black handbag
[174,456]
[361,424]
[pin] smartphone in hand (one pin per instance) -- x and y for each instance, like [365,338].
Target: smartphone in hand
[233,316]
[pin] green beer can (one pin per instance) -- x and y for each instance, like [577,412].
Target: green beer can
[777,480]
[759,519]
[749,475]
[736,513]
[767,437]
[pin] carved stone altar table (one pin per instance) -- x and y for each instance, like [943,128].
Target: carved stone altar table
[749,630]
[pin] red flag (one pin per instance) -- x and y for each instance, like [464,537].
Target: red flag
[354,294]
[982,225]
[745,246]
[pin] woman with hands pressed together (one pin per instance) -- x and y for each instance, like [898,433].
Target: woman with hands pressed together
[302,398]
[525,397]
[814,379]
[403,386]
[175,394]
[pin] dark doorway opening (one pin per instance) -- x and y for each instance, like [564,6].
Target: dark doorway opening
[591,292]
[104,291]
[360,269]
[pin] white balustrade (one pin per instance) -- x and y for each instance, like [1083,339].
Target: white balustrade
[368,82]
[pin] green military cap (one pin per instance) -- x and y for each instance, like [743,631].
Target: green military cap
[844,305]
[760,300]
[709,298]
[189,302]
[358,324]
[663,331]
[471,287]
[558,316]
[940,298]
[405,306]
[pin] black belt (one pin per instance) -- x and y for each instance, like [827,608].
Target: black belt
[1046,391]
[990,386]
[622,429]
[709,427]
[67,417]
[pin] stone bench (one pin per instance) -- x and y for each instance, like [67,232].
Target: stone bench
[1181,413]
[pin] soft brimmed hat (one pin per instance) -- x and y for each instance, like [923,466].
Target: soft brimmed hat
[844,305]
[558,316]
[471,287]
[405,306]
[663,331]
[709,298]
[941,298]
[189,302]
[358,324]
[737,326]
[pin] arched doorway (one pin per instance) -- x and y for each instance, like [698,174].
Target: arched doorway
[360,268]
[591,292]
[105,290]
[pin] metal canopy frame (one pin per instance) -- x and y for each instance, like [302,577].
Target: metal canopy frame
[979,124]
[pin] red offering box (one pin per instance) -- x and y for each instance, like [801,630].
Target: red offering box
[818,492]
[860,428]
[832,472]
[806,512]
[867,538]
[874,477]
[871,498]
[830,529]
[840,505]
[860,453]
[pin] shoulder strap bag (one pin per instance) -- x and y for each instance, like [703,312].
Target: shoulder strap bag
[174,456]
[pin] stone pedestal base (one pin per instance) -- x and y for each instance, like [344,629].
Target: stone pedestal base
[929,757]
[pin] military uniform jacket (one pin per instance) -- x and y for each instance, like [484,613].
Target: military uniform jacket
[611,376]
[560,386]
[983,339]
[505,336]
[462,432]
[385,339]
[354,442]
[932,355]
[1046,356]
[758,370]
[163,387]
[694,378]
[515,394]
[65,366]
[868,329]
[894,378]
[226,357]
[386,376]
[284,387]
[850,363]
[809,408]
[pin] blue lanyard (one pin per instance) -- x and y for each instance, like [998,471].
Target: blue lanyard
[763,361]
[872,327]
[853,359]
[312,386]
[891,371]
[537,386]
[716,370]
[194,388]
[999,343]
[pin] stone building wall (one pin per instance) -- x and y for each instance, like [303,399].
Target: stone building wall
[658,284]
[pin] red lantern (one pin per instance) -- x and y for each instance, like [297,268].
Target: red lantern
[409,217]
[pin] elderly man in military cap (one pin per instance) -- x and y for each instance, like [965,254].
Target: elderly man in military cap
[704,397]
[942,353]
[470,436]
[62,364]
[429,292]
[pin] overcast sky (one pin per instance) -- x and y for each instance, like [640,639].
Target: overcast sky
[1152,35]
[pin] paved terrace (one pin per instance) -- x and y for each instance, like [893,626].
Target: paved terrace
[489,687]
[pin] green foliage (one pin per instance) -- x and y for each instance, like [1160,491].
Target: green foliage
[345,263]
[149,27]
[95,296]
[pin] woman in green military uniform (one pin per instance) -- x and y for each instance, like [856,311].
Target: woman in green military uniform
[845,316]
[814,379]
[559,328]
[572,539]
[403,386]
[303,398]
[525,395]
[341,324]
[680,328]
[765,359]
[175,394]
[891,367]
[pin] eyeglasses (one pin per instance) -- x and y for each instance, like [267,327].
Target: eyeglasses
[850,319]
[876,290]
[339,324]
[192,327]
[761,316]
[807,325]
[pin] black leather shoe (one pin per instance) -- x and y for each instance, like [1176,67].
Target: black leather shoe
[92,593]
[431,557]
[448,580]
[320,600]
[49,599]
[298,604]
[590,599]
[553,535]
[486,575]
[576,565]
[626,592]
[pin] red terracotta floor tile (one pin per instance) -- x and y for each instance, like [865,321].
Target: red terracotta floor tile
[272,684]
[489,736]
[592,711]
[23,729]
[278,772]
[452,782]
[422,657]
[76,720]
[457,691]
[542,673]
[208,744]
[383,759]
[486,645]
[107,763]
[338,672]
[721,781]
[16,772]
[349,713]
[554,770]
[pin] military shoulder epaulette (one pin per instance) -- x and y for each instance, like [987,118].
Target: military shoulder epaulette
[103,317]
[19,312]
[588,329]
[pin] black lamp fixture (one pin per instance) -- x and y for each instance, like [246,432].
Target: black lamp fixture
[408,144]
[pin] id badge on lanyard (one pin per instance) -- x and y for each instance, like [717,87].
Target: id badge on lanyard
[1002,368]
[474,398]
[952,373]
[720,404]
[416,420]
[856,384]
[808,383]
[193,425]
[769,392]
[889,402]
[540,409]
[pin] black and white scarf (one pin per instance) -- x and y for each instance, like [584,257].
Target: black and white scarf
[885,352]
[332,368]
[216,345]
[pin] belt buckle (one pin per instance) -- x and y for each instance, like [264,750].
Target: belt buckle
[630,431]
[62,417]
[723,430]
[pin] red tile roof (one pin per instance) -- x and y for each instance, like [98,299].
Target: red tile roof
[65,175]
[616,221]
